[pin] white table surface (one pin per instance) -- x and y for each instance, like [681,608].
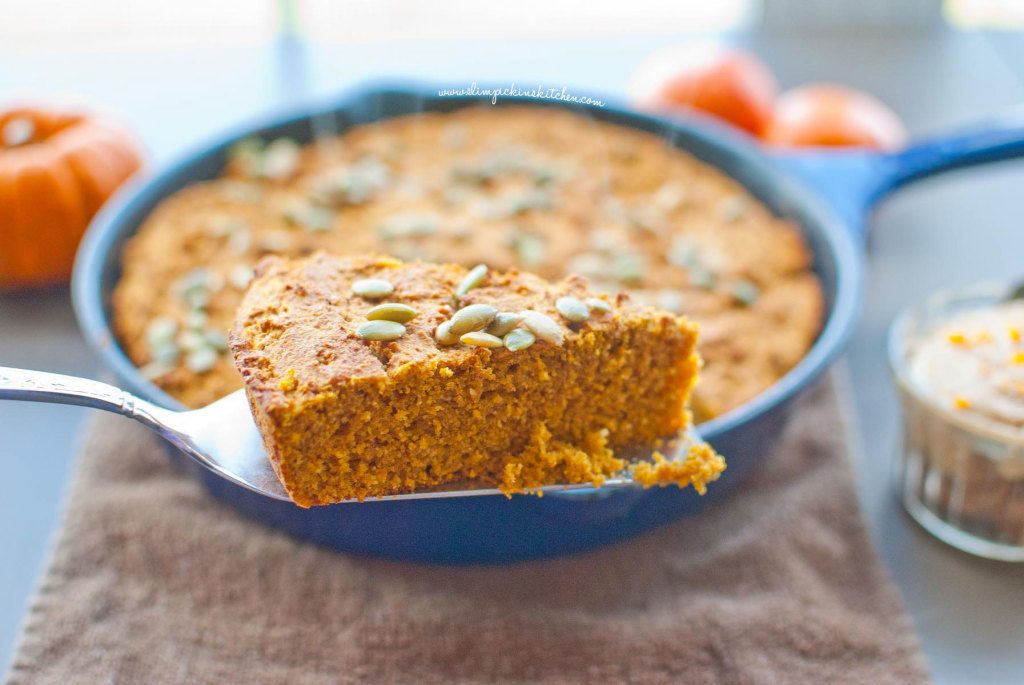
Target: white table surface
[945,232]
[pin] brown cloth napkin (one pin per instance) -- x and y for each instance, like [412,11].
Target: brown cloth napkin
[152,581]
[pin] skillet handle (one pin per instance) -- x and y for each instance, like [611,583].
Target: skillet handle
[997,140]
[853,181]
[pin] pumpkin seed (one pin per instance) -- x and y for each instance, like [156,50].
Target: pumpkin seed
[381,330]
[161,339]
[471,280]
[745,292]
[247,154]
[275,241]
[602,240]
[197,319]
[702,277]
[218,340]
[528,201]
[630,267]
[647,219]
[481,339]
[240,239]
[241,191]
[372,288]
[530,249]
[454,136]
[683,253]
[461,231]
[201,359]
[197,285]
[544,176]
[155,369]
[443,334]
[670,301]
[410,225]
[572,309]
[392,311]
[596,304]
[614,209]
[589,264]
[160,331]
[223,226]
[241,276]
[542,326]
[475,317]
[487,209]
[670,196]
[279,159]
[519,339]
[165,354]
[503,323]
[191,340]
[309,217]
[470,174]
[733,208]
[454,196]
[353,185]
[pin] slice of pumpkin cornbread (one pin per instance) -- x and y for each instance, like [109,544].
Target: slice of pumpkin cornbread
[368,376]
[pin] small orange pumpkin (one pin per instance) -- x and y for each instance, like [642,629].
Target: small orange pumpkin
[57,168]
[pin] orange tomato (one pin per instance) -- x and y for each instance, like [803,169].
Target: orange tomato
[724,82]
[825,115]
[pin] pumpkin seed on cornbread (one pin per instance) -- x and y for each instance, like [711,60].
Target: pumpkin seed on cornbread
[443,334]
[345,417]
[745,292]
[372,288]
[519,339]
[380,330]
[392,311]
[503,323]
[572,309]
[475,317]
[475,276]
[542,326]
[596,304]
[481,339]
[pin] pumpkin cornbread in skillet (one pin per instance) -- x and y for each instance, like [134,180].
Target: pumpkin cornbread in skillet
[549,191]
[369,376]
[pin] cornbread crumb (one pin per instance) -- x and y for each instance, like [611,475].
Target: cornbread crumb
[289,382]
[373,418]
[700,466]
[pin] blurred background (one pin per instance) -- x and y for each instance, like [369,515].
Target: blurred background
[178,73]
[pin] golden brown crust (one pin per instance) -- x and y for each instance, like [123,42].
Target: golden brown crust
[343,417]
[547,190]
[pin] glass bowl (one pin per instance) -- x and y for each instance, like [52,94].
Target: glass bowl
[961,475]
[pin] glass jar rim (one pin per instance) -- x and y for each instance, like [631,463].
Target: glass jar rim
[906,323]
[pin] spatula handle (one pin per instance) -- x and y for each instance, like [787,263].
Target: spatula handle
[39,386]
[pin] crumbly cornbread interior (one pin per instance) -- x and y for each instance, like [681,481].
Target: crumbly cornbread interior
[344,417]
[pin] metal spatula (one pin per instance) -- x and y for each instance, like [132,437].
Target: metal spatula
[221,436]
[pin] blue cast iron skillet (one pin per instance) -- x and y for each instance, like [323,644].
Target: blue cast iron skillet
[827,194]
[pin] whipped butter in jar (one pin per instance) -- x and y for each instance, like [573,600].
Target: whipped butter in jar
[959,366]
